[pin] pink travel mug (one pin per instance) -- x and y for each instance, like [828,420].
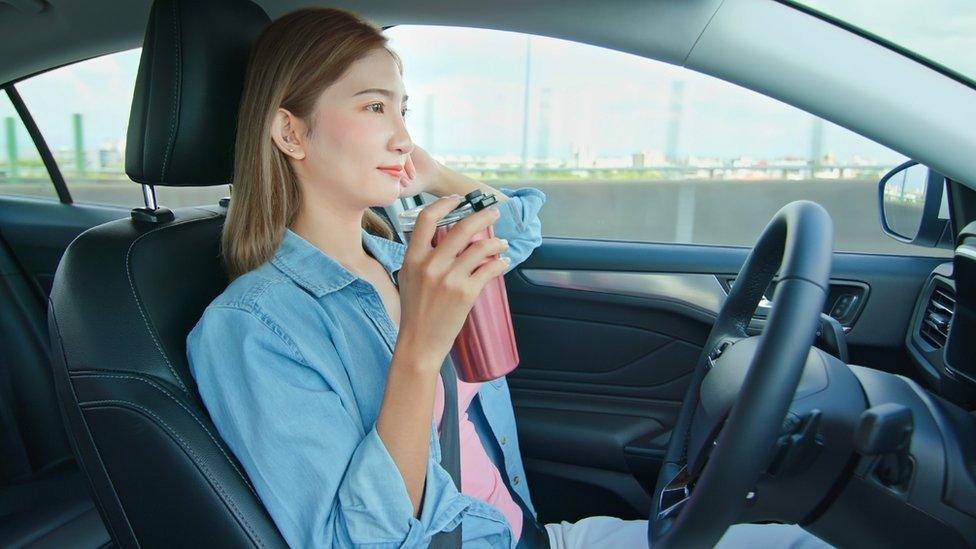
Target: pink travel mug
[485,347]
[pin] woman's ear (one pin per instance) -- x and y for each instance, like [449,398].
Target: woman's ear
[286,132]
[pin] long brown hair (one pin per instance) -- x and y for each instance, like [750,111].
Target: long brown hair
[296,57]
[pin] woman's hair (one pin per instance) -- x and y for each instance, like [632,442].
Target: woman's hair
[293,61]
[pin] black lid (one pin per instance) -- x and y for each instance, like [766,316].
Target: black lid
[479,200]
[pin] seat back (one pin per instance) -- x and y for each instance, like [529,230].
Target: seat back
[127,293]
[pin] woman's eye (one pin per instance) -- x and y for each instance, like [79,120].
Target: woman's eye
[379,109]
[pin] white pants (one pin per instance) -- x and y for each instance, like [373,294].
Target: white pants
[613,533]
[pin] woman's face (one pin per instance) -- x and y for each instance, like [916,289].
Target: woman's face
[359,141]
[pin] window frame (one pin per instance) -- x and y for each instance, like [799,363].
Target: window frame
[50,164]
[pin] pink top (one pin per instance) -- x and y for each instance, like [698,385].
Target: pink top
[479,477]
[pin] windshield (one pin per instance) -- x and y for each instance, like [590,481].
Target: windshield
[942,32]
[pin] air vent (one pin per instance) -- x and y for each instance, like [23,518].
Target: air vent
[937,317]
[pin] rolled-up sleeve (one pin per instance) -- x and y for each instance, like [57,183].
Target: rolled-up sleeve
[520,223]
[326,479]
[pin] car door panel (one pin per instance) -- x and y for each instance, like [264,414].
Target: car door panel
[39,231]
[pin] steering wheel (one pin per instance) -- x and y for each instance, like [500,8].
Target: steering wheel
[714,460]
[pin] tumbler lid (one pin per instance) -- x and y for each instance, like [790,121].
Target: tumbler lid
[473,202]
[479,200]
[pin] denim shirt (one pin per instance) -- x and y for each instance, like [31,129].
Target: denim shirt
[291,362]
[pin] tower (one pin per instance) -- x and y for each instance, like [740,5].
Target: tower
[674,120]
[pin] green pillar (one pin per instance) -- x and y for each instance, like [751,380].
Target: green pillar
[8,123]
[79,144]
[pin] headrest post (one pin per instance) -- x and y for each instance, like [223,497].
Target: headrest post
[149,196]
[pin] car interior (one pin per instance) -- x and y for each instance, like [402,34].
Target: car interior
[693,386]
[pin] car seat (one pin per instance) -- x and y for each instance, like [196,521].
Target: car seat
[127,292]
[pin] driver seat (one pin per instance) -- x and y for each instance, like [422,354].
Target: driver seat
[126,294]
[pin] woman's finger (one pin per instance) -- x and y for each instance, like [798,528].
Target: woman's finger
[492,269]
[409,168]
[479,252]
[461,234]
[423,230]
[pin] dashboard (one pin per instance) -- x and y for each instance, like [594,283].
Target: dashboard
[942,330]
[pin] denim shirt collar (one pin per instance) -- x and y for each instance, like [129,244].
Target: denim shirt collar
[318,273]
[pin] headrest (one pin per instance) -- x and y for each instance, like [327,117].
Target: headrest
[184,111]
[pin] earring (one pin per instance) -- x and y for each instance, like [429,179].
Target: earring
[291,150]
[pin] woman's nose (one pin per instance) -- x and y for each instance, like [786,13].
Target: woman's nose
[400,141]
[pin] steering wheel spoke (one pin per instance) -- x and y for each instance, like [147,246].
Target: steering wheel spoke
[675,494]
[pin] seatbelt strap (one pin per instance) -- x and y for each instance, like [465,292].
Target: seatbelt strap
[534,535]
[380,211]
[450,448]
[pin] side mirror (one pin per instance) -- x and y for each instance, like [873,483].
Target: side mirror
[914,207]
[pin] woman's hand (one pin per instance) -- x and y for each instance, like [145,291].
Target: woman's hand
[424,174]
[438,286]
[421,174]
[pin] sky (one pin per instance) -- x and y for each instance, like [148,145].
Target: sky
[100,89]
[600,102]
[610,102]
[941,30]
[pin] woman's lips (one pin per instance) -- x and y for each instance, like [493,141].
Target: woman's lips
[397,173]
[392,172]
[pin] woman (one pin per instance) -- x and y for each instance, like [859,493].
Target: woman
[319,372]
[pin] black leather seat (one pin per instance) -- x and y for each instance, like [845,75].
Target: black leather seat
[127,293]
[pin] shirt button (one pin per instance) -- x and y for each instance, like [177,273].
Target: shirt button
[504,440]
[515,480]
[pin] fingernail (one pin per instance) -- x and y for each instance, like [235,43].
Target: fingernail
[495,211]
[505,260]
[505,242]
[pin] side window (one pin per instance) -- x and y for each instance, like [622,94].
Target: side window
[628,148]
[82,110]
[22,172]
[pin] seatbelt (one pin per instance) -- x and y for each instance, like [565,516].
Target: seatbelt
[534,535]
[394,227]
[450,448]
